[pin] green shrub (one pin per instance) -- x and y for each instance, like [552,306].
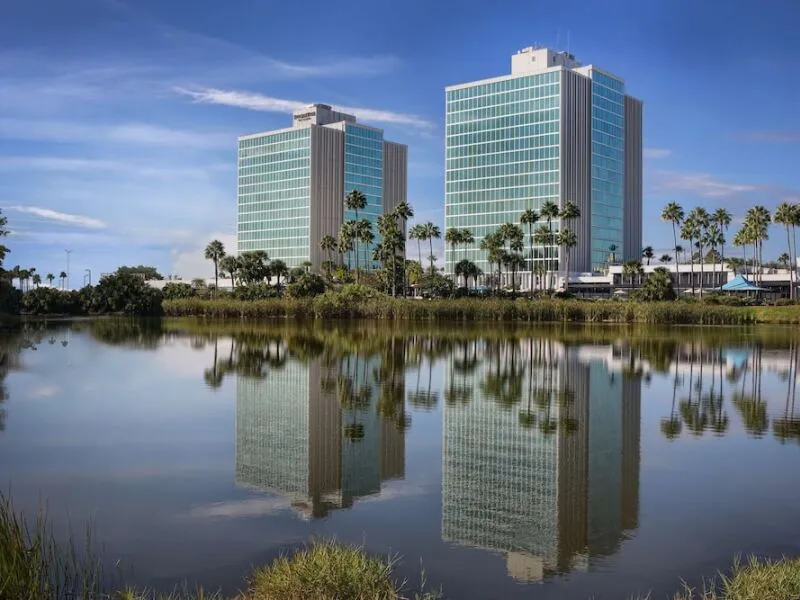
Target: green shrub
[174,290]
[122,293]
[50,301]
[307,285]
[255,291]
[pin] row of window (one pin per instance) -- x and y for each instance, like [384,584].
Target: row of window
[509,133]
[617,143]
[283,166]
[504,194]
[275,148]
[610,82]
[275,176]
[489,123]
[363,169]
[503,98]
[278,159]
[274,138]
[495,183]
[608,129]
[607,105]
[482,173]
[364,161]
[606,175]
[503,110]
[606,204]
[598,185]
[538,155]
[481,213]
[292,256]
[355,131]
[282,235]
[525,143]
[252,221]
[494,87]
[276,186]
[616,119]
[297,196]
[368,149]
[599,149]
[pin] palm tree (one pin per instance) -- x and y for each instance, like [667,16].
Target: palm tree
[432,232]
[713,238]
[785,215]
[700,220]
[328,244]
[648,253]
[784,260]
[50,277]
[757,220]
[278,268]
[215,251]
[665,258]
[37,280]
[347,234]
[355,201]
[418,233]
[62,276]
[722,219]
[550,211]
[365,236]
[492,244]
[690,232]
[403,212]
[229,264]
[612,249]
[740,241]
[514,261]
[568,239]
[530,217]
[673,213]
[466,269]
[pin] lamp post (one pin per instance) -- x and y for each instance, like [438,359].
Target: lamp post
[87,276]
[68,253]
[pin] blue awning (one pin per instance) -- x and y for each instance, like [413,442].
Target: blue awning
[741,284]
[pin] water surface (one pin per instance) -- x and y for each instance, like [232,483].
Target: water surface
[561,462]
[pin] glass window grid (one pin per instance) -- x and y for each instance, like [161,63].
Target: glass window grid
[363,170]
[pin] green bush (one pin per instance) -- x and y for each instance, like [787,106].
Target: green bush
[122,293]
[174,290]
[308,285]
[50,301]
[255,291]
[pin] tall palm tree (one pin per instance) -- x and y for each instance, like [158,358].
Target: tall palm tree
[347,235]
[722,219]
[701,220]
[402,213]
[63,277]
[568,239]
[550,211]
[648,253]
[328,244]
[229,264]
[432,232]
[453,236]
[530,217]
[740,241]
[37,280]
[690,231]
[355,201]
[712,239]
[785,215]
[365,236]
[492,244]
[673,213]
[278,268]
[513,262]
[215,251]
[665,258]
[417,233]
[757,220]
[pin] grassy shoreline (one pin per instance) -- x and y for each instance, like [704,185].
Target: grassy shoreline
[341,306]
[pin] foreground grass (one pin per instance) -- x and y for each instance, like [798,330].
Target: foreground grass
[337,305]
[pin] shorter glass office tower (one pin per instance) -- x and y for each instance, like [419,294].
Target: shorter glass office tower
[292,182]
[552,130]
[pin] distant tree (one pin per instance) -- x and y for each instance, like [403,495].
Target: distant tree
[549,212]
[144,272]
[328,245]
[432,232]
[355,201]
[63,277]
[229,264]
[50,277]
[306,286]
[648,254]
[673,213]
[173,290]
[665,258]
[37,280]
[253,267]
[657,287]
[530,217]
[279,269]
[215,252]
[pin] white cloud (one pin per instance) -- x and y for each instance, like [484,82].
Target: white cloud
[96,165]
[190,263]
[234,509]
[656,153]
[128,133]
[699,184]
[60,217]
[254,101]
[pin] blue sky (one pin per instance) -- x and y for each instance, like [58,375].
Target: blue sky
[118,118]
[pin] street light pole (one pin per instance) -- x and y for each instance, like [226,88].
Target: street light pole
[68,253]
[89,276]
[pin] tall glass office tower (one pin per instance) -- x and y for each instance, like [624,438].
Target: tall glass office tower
[551,131]
[292,183]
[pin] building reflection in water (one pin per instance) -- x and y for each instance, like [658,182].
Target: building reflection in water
[542,461]
[312,432]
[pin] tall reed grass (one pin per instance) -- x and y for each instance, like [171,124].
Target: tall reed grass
[335,305]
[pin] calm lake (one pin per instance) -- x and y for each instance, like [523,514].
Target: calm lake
[560,462]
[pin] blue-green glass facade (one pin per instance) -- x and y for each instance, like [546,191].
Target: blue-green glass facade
[363,171]
[608,167]
[503,144]
[274,194]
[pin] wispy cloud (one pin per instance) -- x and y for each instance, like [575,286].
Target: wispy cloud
[96,165]
[656,153]
[255,101]
[61,217]
[703,185]
[144,134]
[782,136]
